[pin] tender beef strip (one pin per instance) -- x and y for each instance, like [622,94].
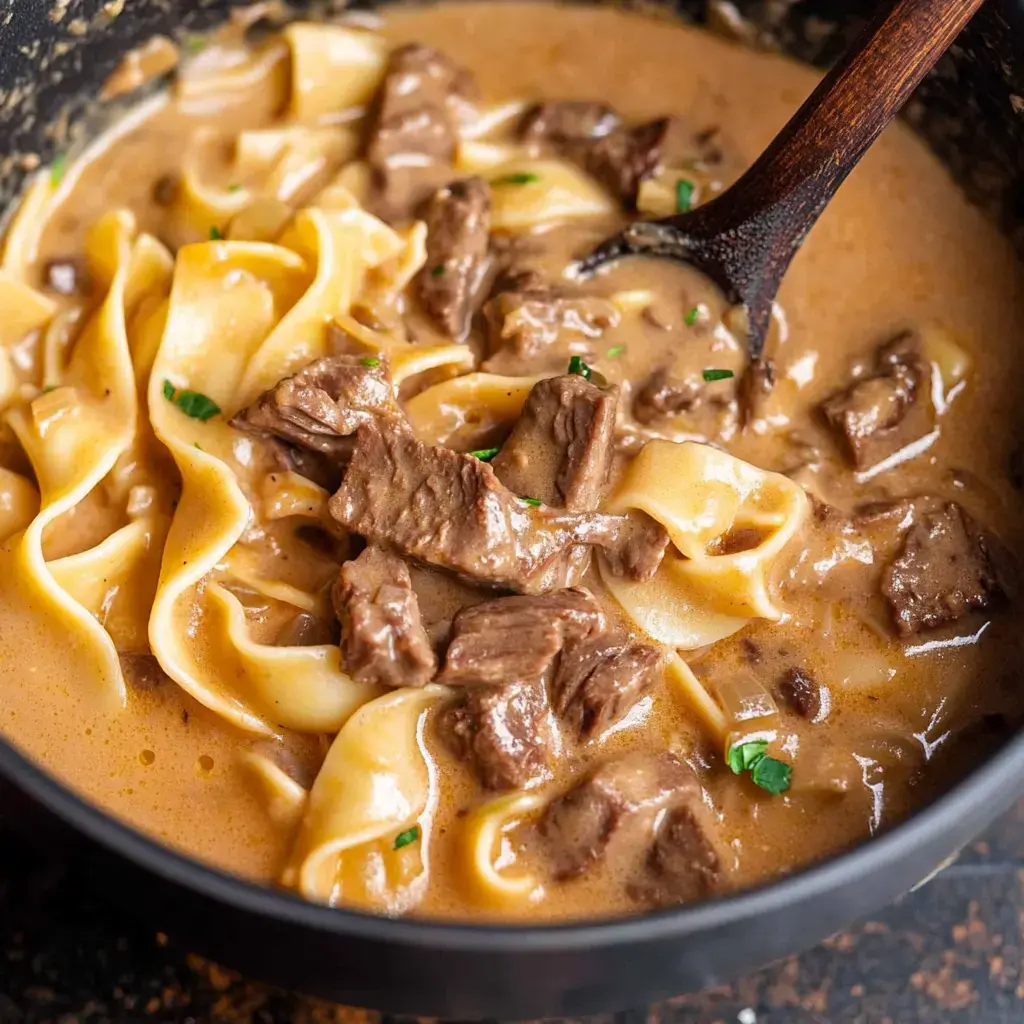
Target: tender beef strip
[526,315]
[458,220]
[660,397]
[312,465]
[321,406]
[501,731]
[616,802]
[383,641]
[683,863]
[516,639]
[561,449]
[876,416]
[563,122]
[414,128]
[599,679]
[449,510]
[798,690]
[948,567]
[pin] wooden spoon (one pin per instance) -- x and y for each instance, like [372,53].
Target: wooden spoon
[745,238]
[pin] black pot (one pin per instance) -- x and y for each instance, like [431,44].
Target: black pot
[969,111]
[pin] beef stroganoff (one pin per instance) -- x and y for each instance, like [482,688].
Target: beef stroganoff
[353,545]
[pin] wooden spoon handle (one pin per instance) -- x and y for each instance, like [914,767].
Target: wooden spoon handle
[821,144]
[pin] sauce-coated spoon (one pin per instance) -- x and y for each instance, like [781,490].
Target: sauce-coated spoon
[745,238]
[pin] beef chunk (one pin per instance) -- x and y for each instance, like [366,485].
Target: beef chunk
[414,128]
[561,449]
[501,731]
[599,679]
[878,415]
[321,406]
[458,220]
[450,511]
[383,641]
[660,397]
[527,315]
[948,567]
[616,802]
[516,639]
[683,863]
[637,547]
[564,122]
[799,692]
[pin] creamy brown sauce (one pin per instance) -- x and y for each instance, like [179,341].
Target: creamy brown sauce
[898,248]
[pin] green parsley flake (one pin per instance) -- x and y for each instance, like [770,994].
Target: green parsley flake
[57,169]
[192,403]
[580,368]
[519,178]
[693,316]
[712,375]
[772,776]
[534,502]
[684,195]
[485,454]
[743,756]
[370,361]
[195,44]
[438,271]
[48,389]
[410,835]
[234,188]
[215,235]
[615,351]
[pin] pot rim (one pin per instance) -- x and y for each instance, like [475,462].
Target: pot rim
[993,786]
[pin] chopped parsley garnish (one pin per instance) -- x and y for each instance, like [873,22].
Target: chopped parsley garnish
[519,178]
[195,44]
[535,502]
[438,271]
[191,403]
[615,351]
[485,454]
[580,368]
[711,375]
[684,195]
[215,235]
[370,361]
[770,774]
[234,188]
[48,389]
[693,316]
[743,756]
[57,169]
[410,835]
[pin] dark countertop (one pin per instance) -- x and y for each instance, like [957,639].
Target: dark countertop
[951,952]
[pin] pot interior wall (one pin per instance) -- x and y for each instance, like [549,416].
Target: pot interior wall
[971,109]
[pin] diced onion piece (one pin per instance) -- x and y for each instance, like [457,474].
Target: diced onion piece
[744,698]
[281,796]
[634,300]
[940,348]
[863,669]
